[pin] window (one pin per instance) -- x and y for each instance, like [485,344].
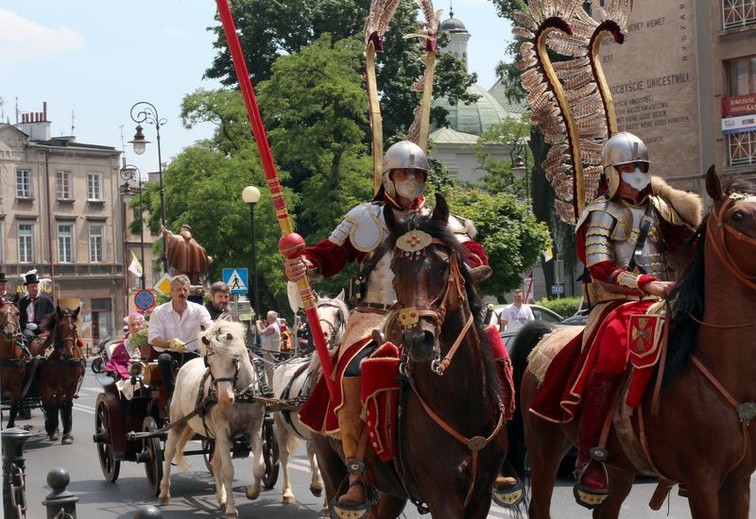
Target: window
[94,187]
[741,76]
[63,185]
[96,251]
[25,243]
[738,13]
[741,149]
[65,243]
[23,183]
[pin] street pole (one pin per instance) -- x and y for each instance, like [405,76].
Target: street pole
[144,111]
[129,172]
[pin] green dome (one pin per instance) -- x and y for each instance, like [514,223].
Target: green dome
[452,25]
[475,117]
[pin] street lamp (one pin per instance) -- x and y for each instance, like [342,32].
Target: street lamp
[251,195]
[520,167]
[146,112]
[131,173]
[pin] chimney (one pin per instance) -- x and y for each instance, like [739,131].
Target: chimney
[35,124]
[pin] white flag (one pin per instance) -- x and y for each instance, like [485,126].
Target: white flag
[135,266]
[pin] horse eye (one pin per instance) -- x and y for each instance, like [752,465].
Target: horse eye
[737,216]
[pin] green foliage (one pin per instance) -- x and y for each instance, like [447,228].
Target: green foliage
[512,237]
[565,306]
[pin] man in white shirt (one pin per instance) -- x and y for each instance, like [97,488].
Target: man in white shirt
[516,314]
[174,330]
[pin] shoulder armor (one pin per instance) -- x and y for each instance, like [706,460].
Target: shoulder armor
[668,212]
[462,228]
[615,214]
[363,226]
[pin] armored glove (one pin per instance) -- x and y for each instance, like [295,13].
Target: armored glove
[177,345]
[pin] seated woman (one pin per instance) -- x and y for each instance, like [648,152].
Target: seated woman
[125,351]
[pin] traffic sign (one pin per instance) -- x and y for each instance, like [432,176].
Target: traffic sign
[144,299]
[237,280]
[557,289]
[163,285]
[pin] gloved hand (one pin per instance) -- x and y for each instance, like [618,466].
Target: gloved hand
[177,345]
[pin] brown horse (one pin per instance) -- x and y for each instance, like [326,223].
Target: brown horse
[13,358]
[60,372]
[450,425]
[699,434]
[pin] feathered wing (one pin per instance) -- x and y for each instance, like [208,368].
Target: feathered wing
[376,25]
[570,99]
[418,131]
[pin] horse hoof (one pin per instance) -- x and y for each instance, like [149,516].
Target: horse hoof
[289,500]
[67,439]
[165,499]
[252,493]
[316,491]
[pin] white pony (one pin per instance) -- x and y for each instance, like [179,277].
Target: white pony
[228,374]
[292,381]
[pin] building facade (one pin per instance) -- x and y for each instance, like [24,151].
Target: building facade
[63,212]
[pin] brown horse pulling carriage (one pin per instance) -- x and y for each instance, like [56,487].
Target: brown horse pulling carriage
[48,374]
[694,425]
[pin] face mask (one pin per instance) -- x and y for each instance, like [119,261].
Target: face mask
[637,179]
[410,188]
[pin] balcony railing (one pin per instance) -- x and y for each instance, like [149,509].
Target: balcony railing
[741,149]
[69,269]
[738,13]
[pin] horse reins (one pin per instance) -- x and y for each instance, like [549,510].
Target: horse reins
[718,227]
[476,443]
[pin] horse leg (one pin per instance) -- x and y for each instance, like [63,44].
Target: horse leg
[332,468]
[545,442]
[258,464]
[702,498]
[223,470]
[13,413]
[620,483]
[168,454]
[50,406]
[735,495]
[284,437]
[388,507]
[316,483]
[66,417]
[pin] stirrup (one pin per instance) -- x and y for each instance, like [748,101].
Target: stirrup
[589,497]
[509,496]
[351,510]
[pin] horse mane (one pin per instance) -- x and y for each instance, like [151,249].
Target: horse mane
[688,300]
[439,229]
[223,327]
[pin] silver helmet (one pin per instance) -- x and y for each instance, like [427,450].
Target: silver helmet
[402,155]
[621,148]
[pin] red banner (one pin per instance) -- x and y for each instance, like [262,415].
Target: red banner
[734,106]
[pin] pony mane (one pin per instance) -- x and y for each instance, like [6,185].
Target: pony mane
[439,229]
[688,299]
[223,327]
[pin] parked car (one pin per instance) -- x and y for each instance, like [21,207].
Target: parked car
[541,313]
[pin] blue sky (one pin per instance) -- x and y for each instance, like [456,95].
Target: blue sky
[94,59]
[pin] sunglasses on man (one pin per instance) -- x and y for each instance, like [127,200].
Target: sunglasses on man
[629,167]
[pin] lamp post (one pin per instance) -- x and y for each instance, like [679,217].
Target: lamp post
[146,112]
[520,166]
[131,173]
[251,195]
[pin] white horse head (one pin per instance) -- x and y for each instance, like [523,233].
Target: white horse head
[225,352]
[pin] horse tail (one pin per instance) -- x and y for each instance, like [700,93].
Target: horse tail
[525,341]
[186,435]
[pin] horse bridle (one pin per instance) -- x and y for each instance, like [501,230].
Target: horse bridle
[210,352]
[410,316]
[334,331]
[9,317]
[717,230]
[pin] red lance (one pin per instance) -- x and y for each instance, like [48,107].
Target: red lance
[291,244]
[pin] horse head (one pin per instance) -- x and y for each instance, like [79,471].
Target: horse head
[732,226]
[10,322]
[64,334]
[225,353]
[333,315]
[431,283]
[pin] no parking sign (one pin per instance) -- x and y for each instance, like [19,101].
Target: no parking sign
[144,300]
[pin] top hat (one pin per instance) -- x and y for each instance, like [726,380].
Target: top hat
[30,278]
[3,279]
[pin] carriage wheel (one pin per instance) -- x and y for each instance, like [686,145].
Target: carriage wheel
[270,454]
[208,447]
[109,465]
[153,463]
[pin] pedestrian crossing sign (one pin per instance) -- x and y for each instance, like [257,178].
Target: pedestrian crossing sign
[237,280]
